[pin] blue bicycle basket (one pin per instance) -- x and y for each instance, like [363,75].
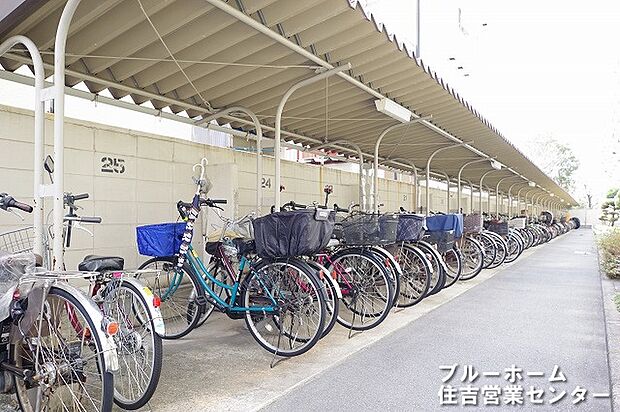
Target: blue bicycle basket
[163,239]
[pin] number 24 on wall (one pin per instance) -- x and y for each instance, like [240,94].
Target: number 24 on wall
[112,165]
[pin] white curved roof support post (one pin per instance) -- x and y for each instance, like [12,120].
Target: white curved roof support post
[471,195]
[510,199]
[497,199]
[39,133]
[527,208]
[445,175]
[458,179]
[428,169]
[416,199]
[375,177]
[488,189]
[519,199]
[60,43]
[259,148]
[480,185]
[278,131]
[360,156]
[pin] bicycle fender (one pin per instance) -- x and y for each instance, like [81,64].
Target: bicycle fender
[107,342]
[387,254]
[147,295]
[434,251]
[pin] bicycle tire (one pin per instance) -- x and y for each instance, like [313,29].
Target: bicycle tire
[360,260]
[416,278]
[125,341]
[473,254]
[189,311]
[106,378]
[254,318]
[331,297]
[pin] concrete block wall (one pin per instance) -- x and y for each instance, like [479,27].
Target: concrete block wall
[136,178]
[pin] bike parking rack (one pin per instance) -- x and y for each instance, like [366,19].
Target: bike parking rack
[259,141]
[428,171]
[497,200]
[39,133]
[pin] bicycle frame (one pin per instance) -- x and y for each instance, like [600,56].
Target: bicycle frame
[198,267]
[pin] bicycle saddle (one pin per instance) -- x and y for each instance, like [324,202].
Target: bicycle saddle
[94,263]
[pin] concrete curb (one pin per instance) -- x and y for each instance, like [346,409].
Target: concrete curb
[609,288]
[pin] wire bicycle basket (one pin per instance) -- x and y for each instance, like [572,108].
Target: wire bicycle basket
[444,239]
[370,229]
[17,241]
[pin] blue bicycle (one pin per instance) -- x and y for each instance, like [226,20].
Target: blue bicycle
[282,299]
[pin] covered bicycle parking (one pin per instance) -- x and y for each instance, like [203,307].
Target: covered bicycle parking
[320,77]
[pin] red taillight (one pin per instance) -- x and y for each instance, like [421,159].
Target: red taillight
[156,301]
[16,294]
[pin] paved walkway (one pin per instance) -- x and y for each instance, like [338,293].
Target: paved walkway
[544,310]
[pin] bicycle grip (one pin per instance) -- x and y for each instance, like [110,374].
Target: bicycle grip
[80,196]
[220,201]
[90,219]
[21,206]
[340,209]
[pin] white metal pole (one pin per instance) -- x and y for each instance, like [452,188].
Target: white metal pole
[259,140]
[481,181]
[510,199]
[445,175]
[59,121]
[360,155]
[289,92]
[458,181]
[428,170]
[375,177]
[471,195]
[39,133]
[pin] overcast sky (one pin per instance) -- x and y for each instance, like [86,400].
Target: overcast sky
[539,68]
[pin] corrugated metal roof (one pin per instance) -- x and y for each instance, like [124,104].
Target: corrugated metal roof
[112,45]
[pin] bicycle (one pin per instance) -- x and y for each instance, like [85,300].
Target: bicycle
[122,297]
[275,296]
[56,348]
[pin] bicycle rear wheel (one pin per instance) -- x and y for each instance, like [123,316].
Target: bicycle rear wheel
[332,301]
[454,264]
[138,346]
[298,320]
[67,355]
[416,278]
[366,289]
[182,297]
[473,258]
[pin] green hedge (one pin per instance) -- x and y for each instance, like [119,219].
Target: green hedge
[609,244]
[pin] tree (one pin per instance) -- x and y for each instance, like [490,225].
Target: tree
[611,207]
[557,160]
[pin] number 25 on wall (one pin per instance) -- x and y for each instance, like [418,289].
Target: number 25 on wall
[112,165]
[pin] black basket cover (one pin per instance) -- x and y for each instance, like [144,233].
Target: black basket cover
[296,233]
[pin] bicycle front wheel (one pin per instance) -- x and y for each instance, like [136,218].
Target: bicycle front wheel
[61,349]
[296,318]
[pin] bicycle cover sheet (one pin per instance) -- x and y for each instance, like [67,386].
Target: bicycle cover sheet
[440,223]
[295,233]
[12,268]
[410,228]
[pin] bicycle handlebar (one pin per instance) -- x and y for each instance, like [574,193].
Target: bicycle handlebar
[7,202]
[83,219]
[340,209]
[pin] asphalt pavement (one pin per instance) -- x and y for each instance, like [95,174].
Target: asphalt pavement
[537,325]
